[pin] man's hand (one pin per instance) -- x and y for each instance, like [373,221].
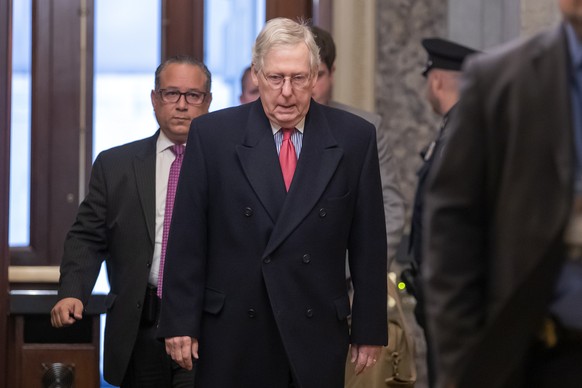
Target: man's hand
[66,312]
[182,350]
[365,356]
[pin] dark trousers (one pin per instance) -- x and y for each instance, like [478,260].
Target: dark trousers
[150,366]
[558,367]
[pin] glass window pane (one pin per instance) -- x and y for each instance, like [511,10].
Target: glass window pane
[127,52]
[19,207]
[230,29]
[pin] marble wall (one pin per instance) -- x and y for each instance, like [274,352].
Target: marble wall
[399,87]
[411,124]
[355,42]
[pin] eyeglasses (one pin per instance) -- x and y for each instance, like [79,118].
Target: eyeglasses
[276,81]
[172,96]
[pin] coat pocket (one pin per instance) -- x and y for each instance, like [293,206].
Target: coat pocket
[213,301]
[110,301]
[342,306]
[338,201]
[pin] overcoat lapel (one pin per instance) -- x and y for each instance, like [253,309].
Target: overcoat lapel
[317,163]
[144,167]
[551,72]
[259,161]
[320,156]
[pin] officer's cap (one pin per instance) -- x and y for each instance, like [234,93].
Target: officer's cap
[444,54]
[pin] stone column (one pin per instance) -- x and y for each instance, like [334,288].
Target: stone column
[411,124]
[354,34]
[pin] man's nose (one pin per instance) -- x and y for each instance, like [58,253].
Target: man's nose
[287,88]
[182,104]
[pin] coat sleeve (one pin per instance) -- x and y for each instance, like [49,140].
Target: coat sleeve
[86,242]
[185,263]
[367,255]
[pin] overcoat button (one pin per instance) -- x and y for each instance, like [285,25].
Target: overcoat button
[148,265]
[309,313]
[138,305]
[252,313]
[322,212]
[248,211]
[306,258]
[267,260]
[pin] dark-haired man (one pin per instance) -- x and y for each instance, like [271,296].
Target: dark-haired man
[121,221]
[249,91]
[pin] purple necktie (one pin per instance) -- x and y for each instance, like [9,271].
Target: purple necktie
[287,157]
[178,150]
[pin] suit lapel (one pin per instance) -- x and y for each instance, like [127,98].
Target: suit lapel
[320,156]
[258,157]
[144,167]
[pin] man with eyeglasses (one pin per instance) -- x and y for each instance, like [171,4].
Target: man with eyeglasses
[122,221]
[271,196]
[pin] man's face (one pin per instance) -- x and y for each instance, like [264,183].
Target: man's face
[250,90]
[285,105]
[572,11]
[323,86]
[174,118]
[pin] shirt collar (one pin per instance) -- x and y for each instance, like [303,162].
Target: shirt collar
[574,46]
[163,143]
[300,126]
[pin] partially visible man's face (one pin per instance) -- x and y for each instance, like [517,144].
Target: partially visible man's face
[431,93]
[250,91]
[323,87]
[174,118]
[572,11]
[285,106]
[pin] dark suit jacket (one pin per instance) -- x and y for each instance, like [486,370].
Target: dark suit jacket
[115,222]
[497,205]
[393,200]
[258,274]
